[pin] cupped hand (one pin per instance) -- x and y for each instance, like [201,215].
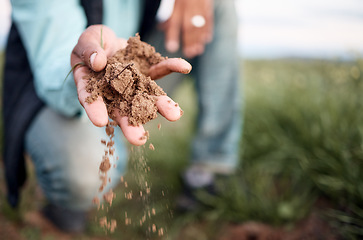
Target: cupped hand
[180,26]
[92,51]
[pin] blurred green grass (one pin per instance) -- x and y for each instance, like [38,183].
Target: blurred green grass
[302,142]
[303,132]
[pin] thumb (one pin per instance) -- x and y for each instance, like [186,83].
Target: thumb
[89,48]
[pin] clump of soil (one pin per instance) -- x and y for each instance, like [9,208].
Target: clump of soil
[125,85]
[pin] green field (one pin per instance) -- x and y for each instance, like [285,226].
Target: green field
[302,143]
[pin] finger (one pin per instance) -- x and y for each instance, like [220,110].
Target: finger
[193,50]
[96,111]
[91,54]
[172,29]
[168,108]
[172,39]
[95,44]
[136,135]
[168,66]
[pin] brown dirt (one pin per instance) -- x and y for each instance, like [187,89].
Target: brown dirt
[127,90]
[104,167]
[125,85]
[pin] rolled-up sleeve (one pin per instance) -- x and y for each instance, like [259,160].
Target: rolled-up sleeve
[49,30]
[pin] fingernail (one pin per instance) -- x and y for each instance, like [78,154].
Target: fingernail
[172,46]
[92,58]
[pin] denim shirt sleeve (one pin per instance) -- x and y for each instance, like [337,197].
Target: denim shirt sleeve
[49,30]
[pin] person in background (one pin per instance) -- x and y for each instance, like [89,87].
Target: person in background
[205,33]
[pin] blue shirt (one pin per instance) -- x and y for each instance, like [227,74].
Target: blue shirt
[50,29]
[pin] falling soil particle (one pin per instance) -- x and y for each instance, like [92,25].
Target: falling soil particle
[128,195]
[103,222]
[96,201]
[103,182]
[125,86]
[110,130]
[161,232]
[109,196]
[147,134]
[105,164]
[111,225]
[110,143]
[151,147]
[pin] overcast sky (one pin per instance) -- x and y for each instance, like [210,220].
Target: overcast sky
[300,27]
[310,28]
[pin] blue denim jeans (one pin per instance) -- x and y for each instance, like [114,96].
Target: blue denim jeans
[66,153]
[217,82]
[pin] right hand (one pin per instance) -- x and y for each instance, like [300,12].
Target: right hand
[89,51]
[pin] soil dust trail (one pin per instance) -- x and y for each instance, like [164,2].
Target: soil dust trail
[127,90]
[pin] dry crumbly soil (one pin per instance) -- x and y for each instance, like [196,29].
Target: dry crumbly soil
[125,85]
